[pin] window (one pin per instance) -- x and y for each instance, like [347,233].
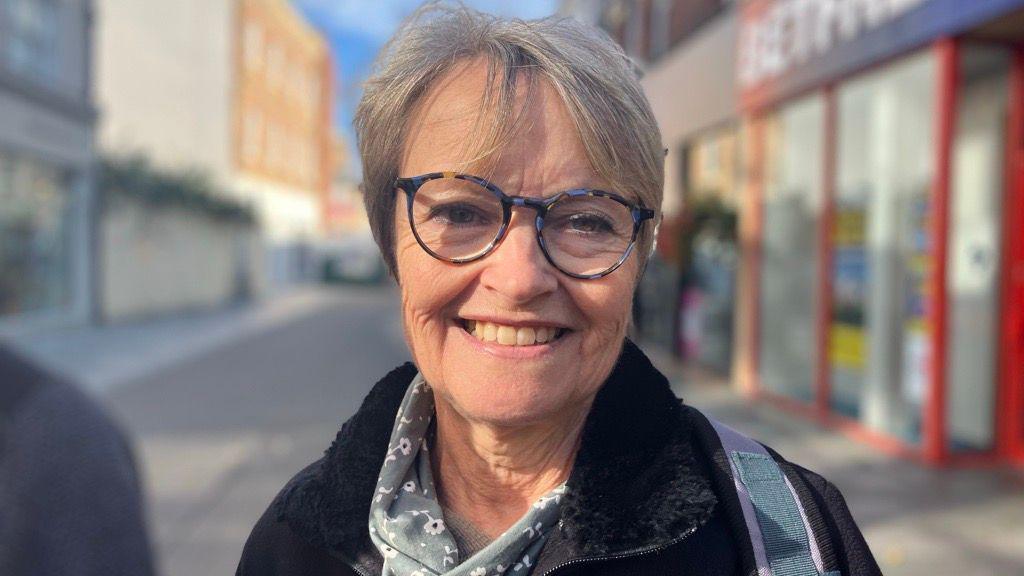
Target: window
[974,271]
[661,19]
[880,339]
[314,92]
[252,136]
[274,146]
[31,40]
[253,46]
[297,83]
[35,268]
[275,64]
[793,194]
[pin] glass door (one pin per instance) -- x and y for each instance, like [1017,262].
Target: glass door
[974,266]
[885,172]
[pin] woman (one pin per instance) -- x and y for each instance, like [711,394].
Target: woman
[513,172]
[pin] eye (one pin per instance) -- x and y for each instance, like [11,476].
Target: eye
[589,223]
[458,215]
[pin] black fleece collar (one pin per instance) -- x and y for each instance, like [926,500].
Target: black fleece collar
[636,483]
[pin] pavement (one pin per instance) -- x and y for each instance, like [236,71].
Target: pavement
[224,408]
[102,357]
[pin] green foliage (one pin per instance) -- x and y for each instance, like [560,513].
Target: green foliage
[706,214]
[135,178]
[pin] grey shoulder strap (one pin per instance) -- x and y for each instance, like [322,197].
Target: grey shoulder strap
[784,544]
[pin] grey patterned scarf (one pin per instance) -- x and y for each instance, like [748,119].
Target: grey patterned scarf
[406,522]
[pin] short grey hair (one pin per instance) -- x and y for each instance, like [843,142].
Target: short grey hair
[596,81]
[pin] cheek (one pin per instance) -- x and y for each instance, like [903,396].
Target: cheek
[608,305]
[608,302]
[429,289]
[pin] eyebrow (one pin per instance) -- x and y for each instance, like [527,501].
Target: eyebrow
[628,196]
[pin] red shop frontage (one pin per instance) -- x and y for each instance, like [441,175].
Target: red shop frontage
[883,228]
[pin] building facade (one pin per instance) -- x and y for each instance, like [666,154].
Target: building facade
[46,163]
[283,128]
[239,89]
[884,166]
[874,157]
[687,49]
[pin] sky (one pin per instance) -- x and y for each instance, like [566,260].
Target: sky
[356,29]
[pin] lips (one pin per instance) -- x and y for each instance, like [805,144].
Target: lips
[507,335]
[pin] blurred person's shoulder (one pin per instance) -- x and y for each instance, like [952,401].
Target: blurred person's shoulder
[68,475]
[53,431]
[39,406]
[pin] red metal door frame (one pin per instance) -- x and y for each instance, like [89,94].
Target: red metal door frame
[1011,414]
[826,230]
[947,54]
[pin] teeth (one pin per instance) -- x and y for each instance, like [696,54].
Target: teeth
[510,335]
[525,336]
[506,335]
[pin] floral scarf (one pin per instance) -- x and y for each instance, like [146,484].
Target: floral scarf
[406,522]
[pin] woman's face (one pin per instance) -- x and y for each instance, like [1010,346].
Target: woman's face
[514,287]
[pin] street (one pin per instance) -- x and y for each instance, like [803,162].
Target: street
[218,435]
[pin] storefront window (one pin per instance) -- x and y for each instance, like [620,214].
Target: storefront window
[974,254]
[34,237]
[31,39]
[710,250]
[789,269]
[879,340]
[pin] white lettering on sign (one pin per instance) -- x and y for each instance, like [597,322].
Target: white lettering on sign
[791,32]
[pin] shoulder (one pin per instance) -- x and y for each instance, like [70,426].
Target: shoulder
[53,427]
[69,470]
[828,516]
[833,517]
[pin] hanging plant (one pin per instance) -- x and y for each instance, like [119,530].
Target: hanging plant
[135,178]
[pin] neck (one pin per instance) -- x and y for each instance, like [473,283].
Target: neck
[491,475]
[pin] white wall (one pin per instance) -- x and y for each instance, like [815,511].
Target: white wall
[164,81]
[158,261]
[286,214]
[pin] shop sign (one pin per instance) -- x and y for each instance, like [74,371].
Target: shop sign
[786,46]
[789,33]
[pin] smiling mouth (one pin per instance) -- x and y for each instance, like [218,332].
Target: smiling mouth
[512,335]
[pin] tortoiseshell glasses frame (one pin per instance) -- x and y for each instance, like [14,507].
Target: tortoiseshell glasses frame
[542,206]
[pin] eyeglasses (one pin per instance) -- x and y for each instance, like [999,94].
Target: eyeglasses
[460,218]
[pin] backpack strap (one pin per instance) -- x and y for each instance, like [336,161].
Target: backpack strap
[784,544]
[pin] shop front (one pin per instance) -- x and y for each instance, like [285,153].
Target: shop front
[884,177]
[46,161]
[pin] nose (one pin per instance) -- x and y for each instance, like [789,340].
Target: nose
[517,269]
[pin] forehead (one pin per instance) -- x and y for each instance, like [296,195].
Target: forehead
[447,127]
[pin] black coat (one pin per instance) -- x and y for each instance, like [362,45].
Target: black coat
[650,495]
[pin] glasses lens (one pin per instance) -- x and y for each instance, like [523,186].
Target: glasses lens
[456,219]
[587,235]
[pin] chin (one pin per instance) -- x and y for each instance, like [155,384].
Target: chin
[506,401]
